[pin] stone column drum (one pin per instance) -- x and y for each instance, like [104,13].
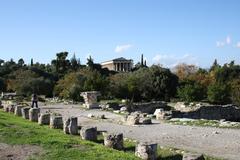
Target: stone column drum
[33,114]
[114,140]
[25,112]
[89,133]
[56,122]
[70,126]
[44,119]
[146,151]
[18,110]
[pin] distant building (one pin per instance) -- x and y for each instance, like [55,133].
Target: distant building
[119,64]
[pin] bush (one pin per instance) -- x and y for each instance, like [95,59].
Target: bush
[191,92]
[218,93]
[235,92]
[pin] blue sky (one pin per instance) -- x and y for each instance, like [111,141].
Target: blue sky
[165,31]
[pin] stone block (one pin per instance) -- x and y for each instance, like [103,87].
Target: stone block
[147,121]
[89,133]
[114,140]
[133,120]
[146,151]
[191,156]
[70,126]
[18,110]
[25,112]
[33,114]
[56,122]
[44,119]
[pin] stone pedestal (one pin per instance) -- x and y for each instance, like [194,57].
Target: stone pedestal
[114,140]
[56,122]
[44,119]
[70,126]
[89,133]
[33,114]
[25,112]
[18,110]
[191,156]
[146,151]
[90,99]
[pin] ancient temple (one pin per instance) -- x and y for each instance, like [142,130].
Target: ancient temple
[119,64]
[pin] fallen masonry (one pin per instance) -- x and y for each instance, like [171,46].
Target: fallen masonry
[113,140]
[89,133]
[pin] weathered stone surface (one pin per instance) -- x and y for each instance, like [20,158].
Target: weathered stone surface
[90,99]
[89,133]
[191,156]
[146,151]
[25,112]
[147,121]
[70,126]
[6,108]
[11,108]
[164,115]
[18,110]
[113,140]
[133,120]
[33,114]
[56,122]
[44,119]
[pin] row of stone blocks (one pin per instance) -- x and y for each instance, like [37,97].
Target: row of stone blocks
[143,150]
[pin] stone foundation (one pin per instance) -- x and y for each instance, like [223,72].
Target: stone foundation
[146,151]
[114,141]
[33,114]
[44,119]
[56,122]
[89,133]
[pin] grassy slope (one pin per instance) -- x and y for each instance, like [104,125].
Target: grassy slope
[56,145]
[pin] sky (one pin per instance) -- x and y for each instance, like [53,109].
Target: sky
[167,32]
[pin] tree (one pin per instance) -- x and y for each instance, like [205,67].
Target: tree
[164,83]
[191,91]
[183,70]
[75,63]
[21,62]
[235,91]
[218,93]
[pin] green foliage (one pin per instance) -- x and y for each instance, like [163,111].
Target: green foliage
[144,84]
[190,92]
[218,93]
[235,91]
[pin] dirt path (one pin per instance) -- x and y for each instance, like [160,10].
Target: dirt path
[222,143]
[18,152]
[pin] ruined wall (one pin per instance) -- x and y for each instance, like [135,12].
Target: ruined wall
[217,112]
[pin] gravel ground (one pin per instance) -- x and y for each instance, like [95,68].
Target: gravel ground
[217,142]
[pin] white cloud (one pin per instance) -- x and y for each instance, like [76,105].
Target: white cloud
[220,44]
[171,61]
[238,45]
[228,40]
[122,48]
[225,42]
